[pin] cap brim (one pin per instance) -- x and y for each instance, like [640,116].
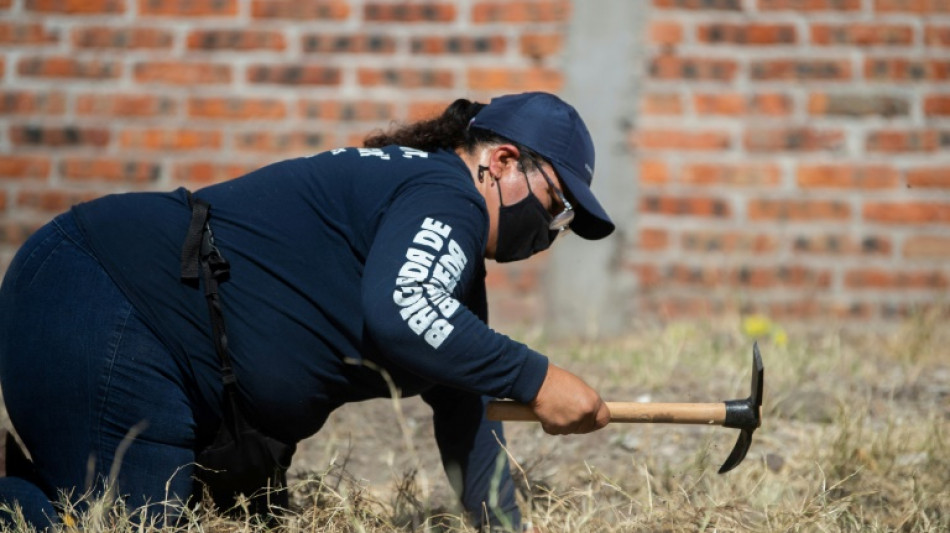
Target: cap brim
[590,221]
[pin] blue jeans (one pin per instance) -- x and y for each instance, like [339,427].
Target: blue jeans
[94,395]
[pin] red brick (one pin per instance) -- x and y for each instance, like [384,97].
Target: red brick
[927,247]
[62,136]
[809,5]
[316,10]
[700,206]
[734,104]
[297,142]
[206,173]
[747,34]
[709,241]
[892,141]
[294,74]
[800,69]
[180,73]
[13,33]
[837,244]
[929,177]
[521,11]
[534,45]
[665,32]
[746,276]
[937,105]
[410,12]
[847,176]
[52,200]
[66,67]
[236,40]
[20,167]
[135,38]
[125,105]
[724,5]
[902,69]
[802,139]
[672,67]
[686,139]
[799,210]
[425,109]
[458,45]
[76,7]
[515,79]
[345,111]
[32,103]
[188,8]
[937,36]
[653,239]
[912,212]
[858,105]
[108,170]
[857,34]
[406,78]
[323,43]
[661,104]
[170,139]
[653,172]
[237,108]
[922,7]
[870,278]
[732,174]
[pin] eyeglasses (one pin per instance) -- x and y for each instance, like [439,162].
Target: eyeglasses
[562,220]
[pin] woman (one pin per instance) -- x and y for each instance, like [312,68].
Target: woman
[342,266]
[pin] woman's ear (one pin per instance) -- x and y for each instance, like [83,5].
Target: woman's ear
[502,157]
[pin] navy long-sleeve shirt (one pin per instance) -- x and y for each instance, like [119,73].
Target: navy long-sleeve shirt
[342,264]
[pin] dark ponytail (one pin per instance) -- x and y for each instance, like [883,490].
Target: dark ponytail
[448,131]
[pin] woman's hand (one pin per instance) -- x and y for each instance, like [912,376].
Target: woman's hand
[565,404]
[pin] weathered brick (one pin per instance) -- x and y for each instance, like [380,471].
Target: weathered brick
[732,174]
[333,10]
[710,241]
[110,170]
[520,11]
[847,176]
[937,35]
[32,103]
[76,7]
[58,136]
[673,67]
[903,69]
[926,247]
[665,32]
[182,73]
[653,172]
[52,200]
[872,278]
[458,44]
[122,38]
[170,139]
[911,212]
[297,142]
[346,111]
[699,206]
[858,105]
[535,45]
[801,139]
[661,104]
[844,245]
[937,105]
[360,43]
[425,109]
[771,104]
[125,105]
[406,78]
[653,239]
[206,173]
[748,276]
[23,167]
[242,39]
[684,139]
[188,8]
[937,177]
[903,141]
[237,108]
[800,69]
[809,5]
[799,210]
[857,34]
[294,74]
[66,67]
[515,79]
[444,12]
[922,7]
[757,34]
[725,5]
[14,33]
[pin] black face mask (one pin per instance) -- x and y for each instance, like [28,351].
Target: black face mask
[523,229]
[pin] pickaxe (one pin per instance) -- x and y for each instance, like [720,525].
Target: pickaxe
[745,415]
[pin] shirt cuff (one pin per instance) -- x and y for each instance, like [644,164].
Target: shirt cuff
[533,371]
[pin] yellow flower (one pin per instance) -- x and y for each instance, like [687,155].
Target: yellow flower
[779,337]
[756,326]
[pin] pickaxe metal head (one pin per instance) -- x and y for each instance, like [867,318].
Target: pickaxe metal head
[745,415]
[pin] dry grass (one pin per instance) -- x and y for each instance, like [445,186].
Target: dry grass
[855,438]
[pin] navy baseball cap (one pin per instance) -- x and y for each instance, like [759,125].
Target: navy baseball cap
[552,128]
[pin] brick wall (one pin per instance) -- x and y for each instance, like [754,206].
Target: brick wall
[793,158]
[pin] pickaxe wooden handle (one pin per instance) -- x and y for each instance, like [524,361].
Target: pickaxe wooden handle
[745,414]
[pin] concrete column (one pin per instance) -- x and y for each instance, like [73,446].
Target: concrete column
[586,291]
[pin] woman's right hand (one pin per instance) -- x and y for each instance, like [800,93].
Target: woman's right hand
[565,404]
